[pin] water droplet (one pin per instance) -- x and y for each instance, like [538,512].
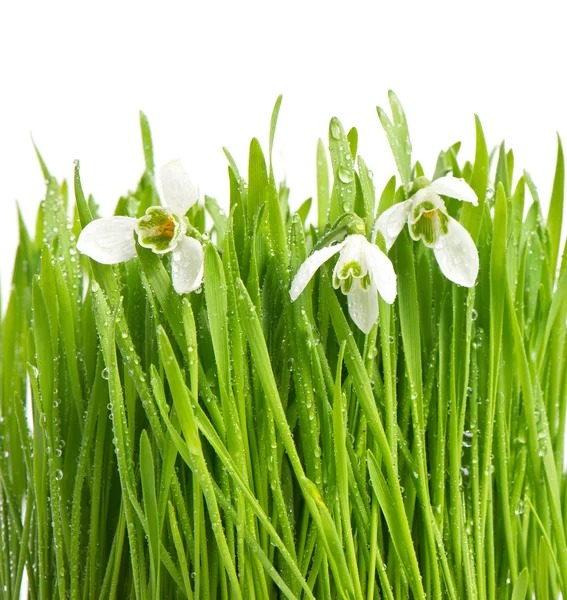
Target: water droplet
[59,474]
[346,174]
[35,371]
[474,315]
[105,374]
[335,128]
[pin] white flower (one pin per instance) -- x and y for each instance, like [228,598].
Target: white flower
[361,271]
[162,229]
[428,220]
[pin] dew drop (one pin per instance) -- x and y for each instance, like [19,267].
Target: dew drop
[335,129]
[346,174]
[104,373]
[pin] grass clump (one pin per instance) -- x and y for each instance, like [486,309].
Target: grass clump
[237,444]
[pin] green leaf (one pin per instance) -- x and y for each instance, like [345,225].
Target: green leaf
[147,143]
[219,219]
[323,197]
[521,586]
[257,181]
[273,123]
[147,475]
[344,188]
[555,214]
[471,216]
[398,533]
[184,408]
[398,136]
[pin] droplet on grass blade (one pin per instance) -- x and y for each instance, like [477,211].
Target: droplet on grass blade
[335,128]
[346,174]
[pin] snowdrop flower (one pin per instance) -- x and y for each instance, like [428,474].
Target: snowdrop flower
[162,229]
[428,220]
[361,271]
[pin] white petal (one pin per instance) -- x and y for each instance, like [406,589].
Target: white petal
[354,251]
[382,274]
[187,265]
[457,255]
[178,191]
[392,221]
[454,188]
[109,241]
[308,268]
[363,306]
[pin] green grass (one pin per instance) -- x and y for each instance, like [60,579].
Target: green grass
[233,444]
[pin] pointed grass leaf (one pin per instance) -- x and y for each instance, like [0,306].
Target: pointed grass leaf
[471,216]
[344,187]
[323,192]
[521,586]
[147,143]
[273,124]
[198,464]
[395,528]
[219,219]
[147,475]
[398,136]
[555,214]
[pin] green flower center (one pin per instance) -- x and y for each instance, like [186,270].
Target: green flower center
[159,229]
[428,223]
[348,272]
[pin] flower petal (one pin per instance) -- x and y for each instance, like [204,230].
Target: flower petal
[382,274]
[457,255]
[363,306]
[109,241]
[391,222]
[178,191]
[353,252]
[187,265]
[454,187]
[308,268]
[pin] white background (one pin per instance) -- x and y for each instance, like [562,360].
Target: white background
[74,74]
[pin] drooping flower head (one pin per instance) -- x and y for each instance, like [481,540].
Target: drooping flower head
[162,229]
[362,271]
[428,220]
